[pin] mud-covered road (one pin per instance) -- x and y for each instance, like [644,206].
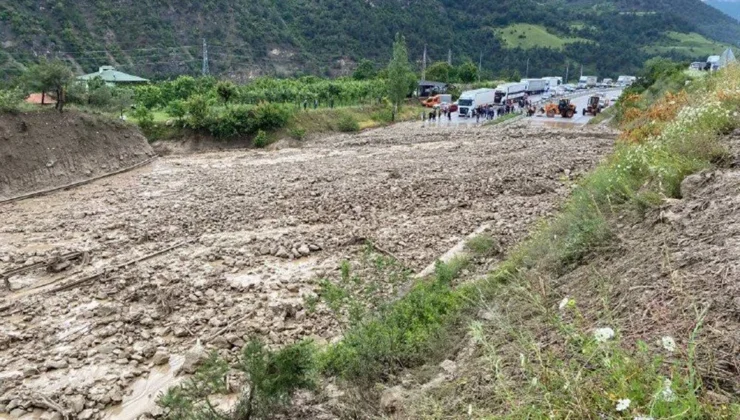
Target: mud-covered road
[212,249]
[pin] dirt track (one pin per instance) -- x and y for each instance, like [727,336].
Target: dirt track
[251,231]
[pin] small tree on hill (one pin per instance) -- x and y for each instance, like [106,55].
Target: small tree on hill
[226,90]
[365,70]
[441,72]
[399,71]
[51,76]
[467,72]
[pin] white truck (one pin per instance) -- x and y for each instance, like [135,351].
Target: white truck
[472,99]
[553,82]
[626,80]
[509,91]
[587,82]
[535,86]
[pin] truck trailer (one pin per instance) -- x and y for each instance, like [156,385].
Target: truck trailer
[587,82]
[509,91]
[553,82]
[472,99]
[625,80]
[535,86]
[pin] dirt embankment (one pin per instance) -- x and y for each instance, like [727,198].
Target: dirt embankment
[46,150]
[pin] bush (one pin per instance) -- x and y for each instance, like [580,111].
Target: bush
[297,133]
[10,100]
[402,334]
[272,379]
[348,124]
[261,140]
[144,117]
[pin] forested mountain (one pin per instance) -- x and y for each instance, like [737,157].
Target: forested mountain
[159,38]
[729,7]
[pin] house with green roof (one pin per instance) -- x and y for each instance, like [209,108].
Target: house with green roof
[111,77]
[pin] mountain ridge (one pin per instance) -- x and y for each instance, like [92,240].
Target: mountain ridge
[252,38]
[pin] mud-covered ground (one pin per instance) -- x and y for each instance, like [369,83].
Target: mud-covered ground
[236,240]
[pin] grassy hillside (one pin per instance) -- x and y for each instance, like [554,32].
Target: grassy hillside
[248,38]
[691,44]
[527,36]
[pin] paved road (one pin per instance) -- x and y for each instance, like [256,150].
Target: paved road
[580,102]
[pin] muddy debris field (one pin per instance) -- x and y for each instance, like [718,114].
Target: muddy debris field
[111,281]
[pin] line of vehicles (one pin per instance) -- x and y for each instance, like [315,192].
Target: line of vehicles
[508,93]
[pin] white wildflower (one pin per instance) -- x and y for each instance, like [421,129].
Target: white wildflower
[563,303]
[643,418]
[603,334]
[623,404]
[668,343]
[667,394]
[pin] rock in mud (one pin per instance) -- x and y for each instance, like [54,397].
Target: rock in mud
[391,402]
[161,357]
[193,358]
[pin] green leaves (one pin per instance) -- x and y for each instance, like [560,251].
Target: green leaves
[399,72]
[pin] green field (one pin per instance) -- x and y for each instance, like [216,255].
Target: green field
[691,44]
[526,36]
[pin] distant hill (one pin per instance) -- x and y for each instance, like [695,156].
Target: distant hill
[729,7]
[247,38]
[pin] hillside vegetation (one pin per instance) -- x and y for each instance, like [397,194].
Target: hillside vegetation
[527,36]
[248,38]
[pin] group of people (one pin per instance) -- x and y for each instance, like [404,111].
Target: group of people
[438,113]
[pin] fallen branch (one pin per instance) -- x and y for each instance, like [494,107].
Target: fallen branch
[6,275]
[44,402]
[118,267]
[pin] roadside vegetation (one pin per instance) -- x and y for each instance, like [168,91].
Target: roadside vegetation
[261,111]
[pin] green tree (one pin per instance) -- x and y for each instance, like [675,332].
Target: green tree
[441,72]
[467,72]
[123,98]
[100,95]
[365,70]
[226,90]
[51,76]
[399,71]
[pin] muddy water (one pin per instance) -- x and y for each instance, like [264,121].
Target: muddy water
[145,391]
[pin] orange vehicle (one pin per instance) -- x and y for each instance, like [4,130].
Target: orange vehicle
[437,100]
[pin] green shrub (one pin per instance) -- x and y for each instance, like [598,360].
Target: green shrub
[272,379]
[198,109]
[10,100]
[297,133]
[481,244]
[144,117]
[261,140]
[177,109]
[401,334]
[348,124]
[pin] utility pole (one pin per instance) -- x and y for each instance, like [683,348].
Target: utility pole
[581,70]
[449,57]
[480,65]
[205,58]
[424,64]
[527,73]
[567,69]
